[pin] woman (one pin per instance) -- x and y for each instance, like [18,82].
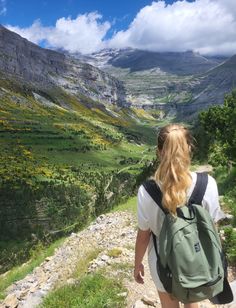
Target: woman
[177,183]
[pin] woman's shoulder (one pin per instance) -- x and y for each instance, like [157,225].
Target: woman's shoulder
[211,187]
[211,179]
[145,191]
[142,192]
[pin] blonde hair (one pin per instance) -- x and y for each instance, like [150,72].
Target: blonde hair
[174,145]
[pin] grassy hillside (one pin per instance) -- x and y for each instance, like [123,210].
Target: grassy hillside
[60,166]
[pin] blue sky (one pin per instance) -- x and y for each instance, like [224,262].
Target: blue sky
[206,26]
[23,13]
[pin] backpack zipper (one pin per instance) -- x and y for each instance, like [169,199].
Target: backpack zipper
[212,282]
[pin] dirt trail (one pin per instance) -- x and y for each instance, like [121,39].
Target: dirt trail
[114,235]
[204,168]
[114,232]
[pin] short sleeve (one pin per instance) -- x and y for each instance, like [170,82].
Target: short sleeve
[211,200]
[143,221]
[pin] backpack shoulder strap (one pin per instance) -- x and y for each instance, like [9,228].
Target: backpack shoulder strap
[154,191]
[199,189]
[196,197]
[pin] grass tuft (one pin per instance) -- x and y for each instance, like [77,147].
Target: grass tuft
[94,290]
[83,263]
[114,252]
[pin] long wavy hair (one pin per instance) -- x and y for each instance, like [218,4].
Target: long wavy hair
[174,145]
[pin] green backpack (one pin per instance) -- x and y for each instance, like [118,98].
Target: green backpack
[190,259]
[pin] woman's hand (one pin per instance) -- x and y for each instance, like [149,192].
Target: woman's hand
[139,273]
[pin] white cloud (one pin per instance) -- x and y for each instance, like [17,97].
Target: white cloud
[207,26]
[3,7]
[83,34]
[35,33]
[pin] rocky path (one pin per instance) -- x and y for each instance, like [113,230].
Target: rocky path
[114,235]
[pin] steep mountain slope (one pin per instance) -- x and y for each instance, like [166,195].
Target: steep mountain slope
[140,79]
[60,166]
[146,84]
[178,63]
[44,70]
[217,82]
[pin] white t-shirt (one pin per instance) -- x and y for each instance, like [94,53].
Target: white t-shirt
[151,217]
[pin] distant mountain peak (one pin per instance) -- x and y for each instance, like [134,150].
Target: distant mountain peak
[179,63]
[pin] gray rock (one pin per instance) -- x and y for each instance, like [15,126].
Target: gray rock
[139,304]
[58,269]
[150,299]
[105,258]
[10,301]
[233,287]
[33,300]
[123,294]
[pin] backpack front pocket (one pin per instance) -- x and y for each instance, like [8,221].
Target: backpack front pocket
[188,262]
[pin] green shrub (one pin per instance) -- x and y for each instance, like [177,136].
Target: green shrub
[219,127]
[229,244]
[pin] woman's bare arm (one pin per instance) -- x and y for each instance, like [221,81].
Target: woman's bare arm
[142,241]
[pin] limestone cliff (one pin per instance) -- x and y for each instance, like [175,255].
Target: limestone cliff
[43,69]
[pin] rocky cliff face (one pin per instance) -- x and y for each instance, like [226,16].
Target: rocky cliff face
[45,69]
[213,85]
[23,59]
[184,82]
[178,63]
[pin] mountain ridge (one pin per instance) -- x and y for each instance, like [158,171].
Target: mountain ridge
[137,60]
[122,77]
[169,81]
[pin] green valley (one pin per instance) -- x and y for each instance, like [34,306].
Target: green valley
[62,166]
